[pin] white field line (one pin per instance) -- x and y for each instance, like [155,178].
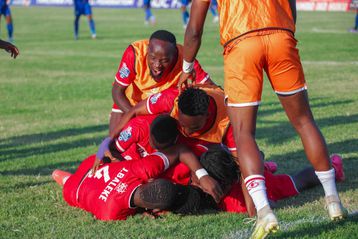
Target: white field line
[320,30]
[284,226]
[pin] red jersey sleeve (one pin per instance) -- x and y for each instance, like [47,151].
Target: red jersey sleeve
[150,166]
[200,75]
[126,71]
[127,137]
[229,140]
[162,102]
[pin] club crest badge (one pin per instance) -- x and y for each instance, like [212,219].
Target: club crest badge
[124,71]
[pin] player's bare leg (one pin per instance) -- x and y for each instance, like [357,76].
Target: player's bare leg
[299,113]
[243,120]
[92,26]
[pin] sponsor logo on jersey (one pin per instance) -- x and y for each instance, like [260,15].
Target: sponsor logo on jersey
[115,184]
[121,188]
[125,135]
[124,71]
[154,98]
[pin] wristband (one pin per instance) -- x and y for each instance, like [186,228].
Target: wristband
[201,173]
[188,66]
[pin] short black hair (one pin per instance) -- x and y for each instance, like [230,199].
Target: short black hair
[164,36]
[158,194]
[220,165]
[193,102]
[164,129]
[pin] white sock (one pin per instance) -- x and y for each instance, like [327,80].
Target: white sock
[65,179]
[328,181]
[255,185]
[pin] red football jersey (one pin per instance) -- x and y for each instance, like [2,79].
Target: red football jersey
[163,102]
[107,193]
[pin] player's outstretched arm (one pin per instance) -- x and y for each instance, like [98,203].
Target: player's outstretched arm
[192,39]
[12,49]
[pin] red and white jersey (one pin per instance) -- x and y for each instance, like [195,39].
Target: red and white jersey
[133,140]
[126,73]
[107,193]
[133,143]
[163,102]
[134,74]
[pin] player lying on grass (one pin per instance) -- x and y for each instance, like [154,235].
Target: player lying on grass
[118,189]
[200,113]
[219,163]
[148,67]
[111,186]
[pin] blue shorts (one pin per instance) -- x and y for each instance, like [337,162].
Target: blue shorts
[146,3]
[185,2]
[83,9]
[5,10]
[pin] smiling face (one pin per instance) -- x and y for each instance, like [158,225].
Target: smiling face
[161,58]
[191,124]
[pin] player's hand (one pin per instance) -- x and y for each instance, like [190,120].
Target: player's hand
[10,48]
[210,186]
[96,165]
[186,80]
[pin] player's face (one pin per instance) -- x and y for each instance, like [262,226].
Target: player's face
[191,124]
[161,58]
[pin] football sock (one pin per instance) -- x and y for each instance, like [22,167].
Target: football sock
[92,26]
[148,14]
[76,25]
[255,185]
[185,16]
[213,10]
[327,178]
[10,30]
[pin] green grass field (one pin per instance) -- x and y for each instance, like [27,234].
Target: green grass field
[56,98]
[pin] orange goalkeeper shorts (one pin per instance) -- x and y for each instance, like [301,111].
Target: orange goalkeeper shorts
[272,51]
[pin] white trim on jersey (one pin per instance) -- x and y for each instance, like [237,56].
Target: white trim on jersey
[291,92]
[121,83]
[119,146]
[147,104]
[205,79]
[79,186]
[164,157]
[293,182]
[130,197]
[117,110]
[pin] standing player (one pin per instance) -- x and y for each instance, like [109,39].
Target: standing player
[82,7]
[148,67]
[257,37]
[7,46]
[149,17]
[184,12]
[214,10]
[5,10]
